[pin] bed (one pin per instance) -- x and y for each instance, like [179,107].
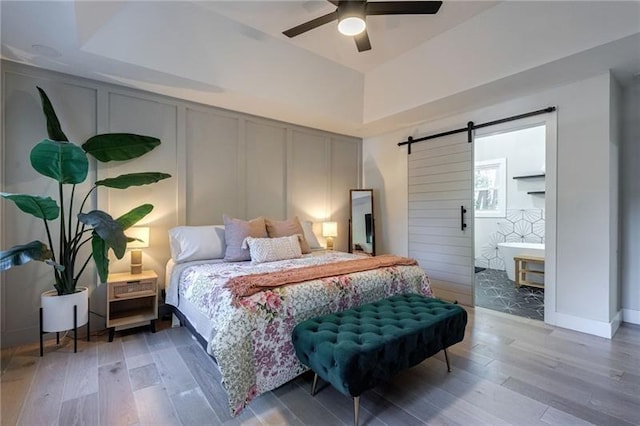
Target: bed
[250,337]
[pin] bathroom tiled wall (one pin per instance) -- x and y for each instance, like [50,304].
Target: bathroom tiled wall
[519,225]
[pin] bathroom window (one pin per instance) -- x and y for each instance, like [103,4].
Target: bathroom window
[490,188]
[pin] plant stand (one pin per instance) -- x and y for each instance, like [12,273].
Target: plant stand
[75,330]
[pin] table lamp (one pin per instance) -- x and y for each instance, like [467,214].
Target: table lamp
[141,233]
[329,231]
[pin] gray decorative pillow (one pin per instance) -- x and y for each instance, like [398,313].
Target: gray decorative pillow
[286,228]
[272,249]
[235,231]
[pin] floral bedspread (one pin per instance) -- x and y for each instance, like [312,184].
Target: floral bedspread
[252,342]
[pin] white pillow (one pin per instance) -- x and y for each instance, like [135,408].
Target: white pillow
[272,249]
[309,235]
[197,243]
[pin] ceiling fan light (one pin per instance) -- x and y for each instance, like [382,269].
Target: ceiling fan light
[351,25]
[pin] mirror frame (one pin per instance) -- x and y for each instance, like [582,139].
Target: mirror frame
[373,220]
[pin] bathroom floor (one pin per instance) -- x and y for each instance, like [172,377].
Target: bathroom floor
[494,290]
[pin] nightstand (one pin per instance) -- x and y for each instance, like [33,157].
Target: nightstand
[132,301]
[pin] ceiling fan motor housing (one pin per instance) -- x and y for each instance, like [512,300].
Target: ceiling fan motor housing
[351,17]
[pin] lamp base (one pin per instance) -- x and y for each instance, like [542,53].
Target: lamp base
[136,261]
[329,243]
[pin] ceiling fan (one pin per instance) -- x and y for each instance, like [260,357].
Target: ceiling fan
[351,17]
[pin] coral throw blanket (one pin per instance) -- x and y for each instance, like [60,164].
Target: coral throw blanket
[248,285]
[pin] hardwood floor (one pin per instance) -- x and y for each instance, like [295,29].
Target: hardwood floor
[508,370]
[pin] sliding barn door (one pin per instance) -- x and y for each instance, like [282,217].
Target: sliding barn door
[441,215]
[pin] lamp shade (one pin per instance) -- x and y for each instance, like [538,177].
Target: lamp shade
[141,233]
[329,229]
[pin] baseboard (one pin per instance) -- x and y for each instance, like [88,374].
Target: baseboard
[20,337]
[631,316]
[28,335]
[597,328]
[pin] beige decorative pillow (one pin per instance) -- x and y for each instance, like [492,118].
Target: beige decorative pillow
[235,231]
[272,249]
[286,228]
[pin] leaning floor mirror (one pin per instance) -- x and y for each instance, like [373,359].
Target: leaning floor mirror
[362,238]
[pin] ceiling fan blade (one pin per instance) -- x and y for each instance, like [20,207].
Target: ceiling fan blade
[402,7]
[362,41]
[309,25]
[334,2]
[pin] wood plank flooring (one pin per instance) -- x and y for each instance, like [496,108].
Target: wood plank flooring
[508,370]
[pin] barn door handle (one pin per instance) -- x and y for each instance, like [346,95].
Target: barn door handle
[462,212]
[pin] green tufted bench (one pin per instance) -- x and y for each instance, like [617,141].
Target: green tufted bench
[357,349]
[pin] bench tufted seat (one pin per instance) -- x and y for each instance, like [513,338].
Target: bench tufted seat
[357,349]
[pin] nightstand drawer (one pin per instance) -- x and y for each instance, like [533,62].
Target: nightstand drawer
[132,289]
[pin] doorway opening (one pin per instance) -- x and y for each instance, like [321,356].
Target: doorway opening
[510,221]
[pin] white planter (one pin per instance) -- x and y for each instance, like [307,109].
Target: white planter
[57,311]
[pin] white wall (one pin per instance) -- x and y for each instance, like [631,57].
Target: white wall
[630,203]
[583,182]
[385,171]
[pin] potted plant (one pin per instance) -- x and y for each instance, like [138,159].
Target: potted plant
[68,164]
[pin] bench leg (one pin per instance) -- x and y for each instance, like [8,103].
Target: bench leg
[315,383]
[446,357]
[356,410]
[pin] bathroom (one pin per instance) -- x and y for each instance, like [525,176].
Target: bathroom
[509,216]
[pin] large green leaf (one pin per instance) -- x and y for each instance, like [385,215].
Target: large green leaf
[133,179]
[19,255]
[62,161]
[134,215]
[53,124]
[100,256]
[40,207]
[119,146]
[107,228]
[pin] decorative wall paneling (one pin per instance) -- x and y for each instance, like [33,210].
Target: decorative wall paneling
[266,156]
[130,112]
[24,126]
[342,150]
[214,178]
[221,162]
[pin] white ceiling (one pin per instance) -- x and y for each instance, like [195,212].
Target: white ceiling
[232,54]
[390,35]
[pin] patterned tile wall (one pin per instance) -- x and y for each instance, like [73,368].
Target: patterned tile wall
[519,225]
